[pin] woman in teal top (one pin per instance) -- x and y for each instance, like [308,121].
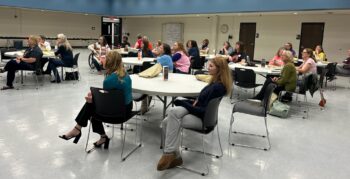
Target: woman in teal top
[116,78]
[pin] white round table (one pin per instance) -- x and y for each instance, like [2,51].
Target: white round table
[136,61]
[14,54]
[177,85]
[258,69]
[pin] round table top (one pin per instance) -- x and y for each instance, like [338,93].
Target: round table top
[46,54]
[136,61]
[176,85]
[257,69]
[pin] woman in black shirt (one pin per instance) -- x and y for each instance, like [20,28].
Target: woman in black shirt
[65,57]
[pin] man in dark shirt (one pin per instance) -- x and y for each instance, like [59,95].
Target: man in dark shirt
[344,69]
[30,61]
[125,42]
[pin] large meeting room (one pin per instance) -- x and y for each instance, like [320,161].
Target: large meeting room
[174,89]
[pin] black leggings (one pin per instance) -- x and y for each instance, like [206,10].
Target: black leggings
[87,111]
[261,93]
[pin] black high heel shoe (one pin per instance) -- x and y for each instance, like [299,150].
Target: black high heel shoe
[76,138]
[106,143]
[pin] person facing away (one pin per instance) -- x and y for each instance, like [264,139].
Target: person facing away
[100,50]
[64,56]
[29,61]
[344,68]
[180,59]
[193,111]
[165,57]
[116,78]
[193,53]
[138,42]
[277,59]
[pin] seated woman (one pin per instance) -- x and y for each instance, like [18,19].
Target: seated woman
[193,53]
[344,69]
[29,61]
[138,42]
[219,85]
[226,49]
[309,62]
[146,52]
[44,46]
[277,59]
[289,46]
[238,54]
[165,57]
[287,80]
[100,49]
[319,53]
[180,59]
[65,57]
[205,46]
[155,51]
[116,78]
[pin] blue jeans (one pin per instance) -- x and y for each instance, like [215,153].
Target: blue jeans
[53,64]
[11,68]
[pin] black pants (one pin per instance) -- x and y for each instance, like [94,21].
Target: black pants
[260,95]
[43,62]
[12,66]
[87,111]
[96,64]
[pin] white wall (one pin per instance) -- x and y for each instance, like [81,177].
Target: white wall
[47,23]
[274,31]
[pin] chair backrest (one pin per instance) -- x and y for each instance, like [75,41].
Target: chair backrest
[211,114]
[331,67]
[196,62]
[109,104]
[75,59]
[267,96]
[146,65]
[244,77]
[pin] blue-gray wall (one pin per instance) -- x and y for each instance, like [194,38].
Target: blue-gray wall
[154,7]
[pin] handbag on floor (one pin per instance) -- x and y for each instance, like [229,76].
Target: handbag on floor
[279,109]
[72,76]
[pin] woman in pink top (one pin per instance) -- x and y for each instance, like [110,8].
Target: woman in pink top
[277,59]
[309,63]
[180,59]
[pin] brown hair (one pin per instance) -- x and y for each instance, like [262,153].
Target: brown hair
[181,48]
[311,53]
[278,51]
[34,38]
[223,74]
[114,64]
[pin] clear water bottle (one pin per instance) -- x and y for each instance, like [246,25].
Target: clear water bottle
[165,73]
[139,54]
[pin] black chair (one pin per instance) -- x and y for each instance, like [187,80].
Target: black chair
[330,75]
[37,72]
[74,68]
[256,108]
[110,108]
[245,78]
[196,64]
[90,59]
[210,121]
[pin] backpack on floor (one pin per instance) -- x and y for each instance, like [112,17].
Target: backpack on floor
[279,109]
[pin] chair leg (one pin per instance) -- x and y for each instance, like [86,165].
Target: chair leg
[123,158]
[204,173]
[250,134]
[87,141]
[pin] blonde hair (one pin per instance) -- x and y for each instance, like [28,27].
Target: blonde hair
[34,38]
[223,74]
[64,42]
[288,54]
[114,64]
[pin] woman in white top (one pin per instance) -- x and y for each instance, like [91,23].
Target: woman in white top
[100,49]
[44,46]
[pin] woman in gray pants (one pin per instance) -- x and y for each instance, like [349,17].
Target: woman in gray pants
[220,84]
[344,69]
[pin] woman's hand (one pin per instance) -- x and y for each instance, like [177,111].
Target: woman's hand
[88,98]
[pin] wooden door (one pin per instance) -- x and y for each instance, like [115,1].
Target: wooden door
[311,36]
[247,33]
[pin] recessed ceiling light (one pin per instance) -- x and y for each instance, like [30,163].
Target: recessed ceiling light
[295,13]
[197,15]
[86,14]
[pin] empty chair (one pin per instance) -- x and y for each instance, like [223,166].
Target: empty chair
[245,78]
[256,108]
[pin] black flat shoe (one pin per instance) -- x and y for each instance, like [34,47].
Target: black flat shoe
[76,138]
[54,81]
[106,143]
[7,87]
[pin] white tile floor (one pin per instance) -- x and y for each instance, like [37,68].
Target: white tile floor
[31,120]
